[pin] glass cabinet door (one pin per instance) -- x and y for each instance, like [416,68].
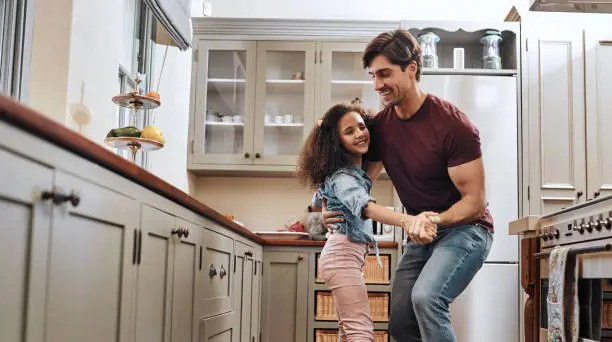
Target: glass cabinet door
[285,98]
[344,79]
[224,102]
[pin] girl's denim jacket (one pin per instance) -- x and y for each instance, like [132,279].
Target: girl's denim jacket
[348,190]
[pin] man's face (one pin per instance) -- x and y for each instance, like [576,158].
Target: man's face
[390,81]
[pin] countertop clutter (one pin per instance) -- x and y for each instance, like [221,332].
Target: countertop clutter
[35,123]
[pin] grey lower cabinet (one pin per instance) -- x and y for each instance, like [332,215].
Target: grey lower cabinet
[65,255]
[247,291]
[87,255]
[167,262]
[222,328]
[285,286]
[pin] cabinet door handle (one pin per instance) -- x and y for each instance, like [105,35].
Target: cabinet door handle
[212,272]
[139,245]
[257,155]
[200,267]
[579,194]
[58,198]
[135,247]
[248,253]
[222,272]
[596,194]
[300,257]
[247,155]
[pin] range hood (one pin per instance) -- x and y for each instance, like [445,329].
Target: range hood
[579,6]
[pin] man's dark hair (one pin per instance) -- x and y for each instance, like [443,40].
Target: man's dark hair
[399,46]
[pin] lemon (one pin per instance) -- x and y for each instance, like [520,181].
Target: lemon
[153,133]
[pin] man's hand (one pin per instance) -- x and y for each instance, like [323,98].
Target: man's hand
[331,218]
[420,229]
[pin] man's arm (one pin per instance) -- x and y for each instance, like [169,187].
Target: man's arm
[469,180]
[374,169]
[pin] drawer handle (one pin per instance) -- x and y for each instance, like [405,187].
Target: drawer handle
[300,257]
[222,272]
[248,253]
[212,272]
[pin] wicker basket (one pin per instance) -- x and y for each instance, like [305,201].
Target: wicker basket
[373,274]
[326,310]
[329,335]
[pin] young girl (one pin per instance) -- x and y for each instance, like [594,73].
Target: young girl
[330,162]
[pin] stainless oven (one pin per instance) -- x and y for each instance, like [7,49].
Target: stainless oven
[587,229]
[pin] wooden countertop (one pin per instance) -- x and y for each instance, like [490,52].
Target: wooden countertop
[33,122]
[313,243]
[36,123]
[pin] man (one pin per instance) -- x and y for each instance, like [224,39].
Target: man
[431,152]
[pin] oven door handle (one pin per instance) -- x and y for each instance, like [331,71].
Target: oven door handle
[584,250]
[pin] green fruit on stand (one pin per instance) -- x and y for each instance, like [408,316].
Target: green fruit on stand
[129,131]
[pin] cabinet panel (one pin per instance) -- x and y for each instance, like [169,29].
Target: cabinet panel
[284,297]
[90,264]
[225,101]
[343,78]
[243,289]
[215,276]
[24,226]
[556,106]
[184,276]
[598,49]
[284,107]
[154,295]
[219,329]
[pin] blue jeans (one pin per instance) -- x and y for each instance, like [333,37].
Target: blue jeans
[429,277]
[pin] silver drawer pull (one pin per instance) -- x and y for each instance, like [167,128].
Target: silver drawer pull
[212,272]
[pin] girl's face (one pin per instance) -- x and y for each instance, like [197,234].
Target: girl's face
[354,134]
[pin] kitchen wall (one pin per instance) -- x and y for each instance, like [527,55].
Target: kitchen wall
[480,10]
[267,203]
[81,43]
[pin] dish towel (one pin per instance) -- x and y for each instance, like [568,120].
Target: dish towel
[562,299]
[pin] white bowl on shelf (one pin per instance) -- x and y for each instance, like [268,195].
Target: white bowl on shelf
[282,235]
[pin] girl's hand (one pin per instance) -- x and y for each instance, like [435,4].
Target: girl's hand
[420,229]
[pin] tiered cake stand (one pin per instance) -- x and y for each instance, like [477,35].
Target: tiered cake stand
[135,102]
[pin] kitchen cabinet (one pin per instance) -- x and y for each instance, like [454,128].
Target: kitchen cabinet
[284,296]
[247,290]
[25,221]
[222,328]
[167,275]
[567,144]
[255,110]
[256,96]
[234,124]
[89,255]
[68,271]
[598,53]
[216,276]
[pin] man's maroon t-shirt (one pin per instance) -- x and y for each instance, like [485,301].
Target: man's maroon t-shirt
[418,151]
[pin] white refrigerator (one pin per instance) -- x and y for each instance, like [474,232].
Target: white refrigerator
[488,310]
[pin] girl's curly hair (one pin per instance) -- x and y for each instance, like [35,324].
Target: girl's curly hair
[323,152]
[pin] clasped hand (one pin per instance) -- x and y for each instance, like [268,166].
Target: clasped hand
[421,228]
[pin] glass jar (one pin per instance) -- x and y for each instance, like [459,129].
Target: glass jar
[490,50]
[429,51]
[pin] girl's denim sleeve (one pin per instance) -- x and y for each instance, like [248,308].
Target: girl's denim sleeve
[352,193]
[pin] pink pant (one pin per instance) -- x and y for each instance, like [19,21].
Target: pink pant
[341,266]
